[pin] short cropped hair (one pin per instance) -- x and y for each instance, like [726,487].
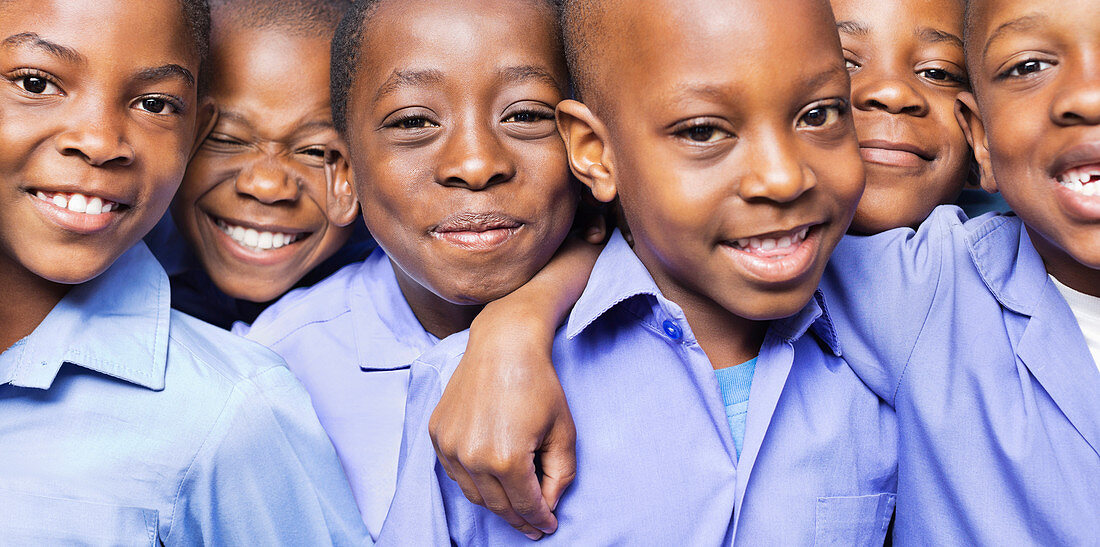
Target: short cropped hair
[304,17]
[347,47]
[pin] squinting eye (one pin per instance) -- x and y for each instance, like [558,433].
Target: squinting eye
[819,116]
[704,134]
[315,152]
[527,117]
[414,123]
[38,85]
[1028,67]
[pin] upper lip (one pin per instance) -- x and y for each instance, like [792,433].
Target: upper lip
[775,234]
[895,145]
[1077,156]
[260,226]
[470,221]
[88,190]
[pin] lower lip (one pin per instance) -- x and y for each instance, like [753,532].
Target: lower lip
[244,254]
[80,223]
[891,158]
[1086,208]
[487,240]
[789,267]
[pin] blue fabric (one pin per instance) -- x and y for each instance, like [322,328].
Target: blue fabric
[656,459]
[958,326]
[735,384]
[124,422]
[350,340]
[194,293]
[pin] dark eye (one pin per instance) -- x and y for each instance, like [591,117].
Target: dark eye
[156,105]
[316,152]
[1028,68]
[936,74]
[38,85]
[819,116]
[414,123]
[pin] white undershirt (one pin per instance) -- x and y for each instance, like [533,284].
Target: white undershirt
[1087,311]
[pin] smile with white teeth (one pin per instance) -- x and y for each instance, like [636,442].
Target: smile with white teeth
[771,247]
[78,203]
[1083,180]
[255,240]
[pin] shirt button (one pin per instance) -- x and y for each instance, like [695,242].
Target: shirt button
[672,330]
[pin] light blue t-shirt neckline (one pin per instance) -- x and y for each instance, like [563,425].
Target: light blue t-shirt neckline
[735,383]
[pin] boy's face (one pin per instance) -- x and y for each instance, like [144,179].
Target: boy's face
[456,159]
[253,202]
[98,121]
[906,62]
[731,147]
[1035,68]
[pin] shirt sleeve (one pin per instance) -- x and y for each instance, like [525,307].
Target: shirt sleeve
[266,475]
[880,290]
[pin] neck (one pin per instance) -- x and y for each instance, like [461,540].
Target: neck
[1066,269]
[726,338]
[436,315]
[25,300]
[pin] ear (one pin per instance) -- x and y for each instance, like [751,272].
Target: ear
[966,112]
[207,117]
[586,146]
[341,205]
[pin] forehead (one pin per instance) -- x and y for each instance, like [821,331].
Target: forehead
[105,32]
[269,73]
[461,38]
[716,44]
[901,16]
[991,19]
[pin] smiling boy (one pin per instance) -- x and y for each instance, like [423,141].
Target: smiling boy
[983,334]
[121,421]
[252,208]
[728,139]
[453,156]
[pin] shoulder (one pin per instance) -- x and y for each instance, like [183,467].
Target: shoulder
[324,302]
[224,357]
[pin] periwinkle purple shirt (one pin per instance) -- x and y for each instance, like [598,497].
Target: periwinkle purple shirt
[350,339]
[656,459]
[958,326]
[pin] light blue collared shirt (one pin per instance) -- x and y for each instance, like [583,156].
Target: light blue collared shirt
[958,326]
[350,340]
[656,459]
[123,422]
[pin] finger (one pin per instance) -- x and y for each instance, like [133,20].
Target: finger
[558,460]
[525,495]
[497,502]
[458,474]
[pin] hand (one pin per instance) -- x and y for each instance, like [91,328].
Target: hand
[503,410]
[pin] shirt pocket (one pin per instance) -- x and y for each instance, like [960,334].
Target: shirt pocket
[853,520]
[38,520]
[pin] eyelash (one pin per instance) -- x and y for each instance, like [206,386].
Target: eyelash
[839,106]
[406,118]
[949,76]
[710,128]
[539,115]
[174,102]
[27,73]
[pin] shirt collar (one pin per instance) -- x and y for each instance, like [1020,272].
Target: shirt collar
[1008,263]
[400,338]
[619,276]
[115,324]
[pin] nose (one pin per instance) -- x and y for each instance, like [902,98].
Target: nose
[474,158]
[1078,99]
[775,172]
[99,139]
[887,92]
[268,181]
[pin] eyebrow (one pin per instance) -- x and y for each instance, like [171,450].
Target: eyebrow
[823,77]
[299,130]
[936,36]
[33,40]
[165,72]
[1019,24]
[407,78]
[524,73]
[853,28]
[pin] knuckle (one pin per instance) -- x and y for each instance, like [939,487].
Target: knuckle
[497,507]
